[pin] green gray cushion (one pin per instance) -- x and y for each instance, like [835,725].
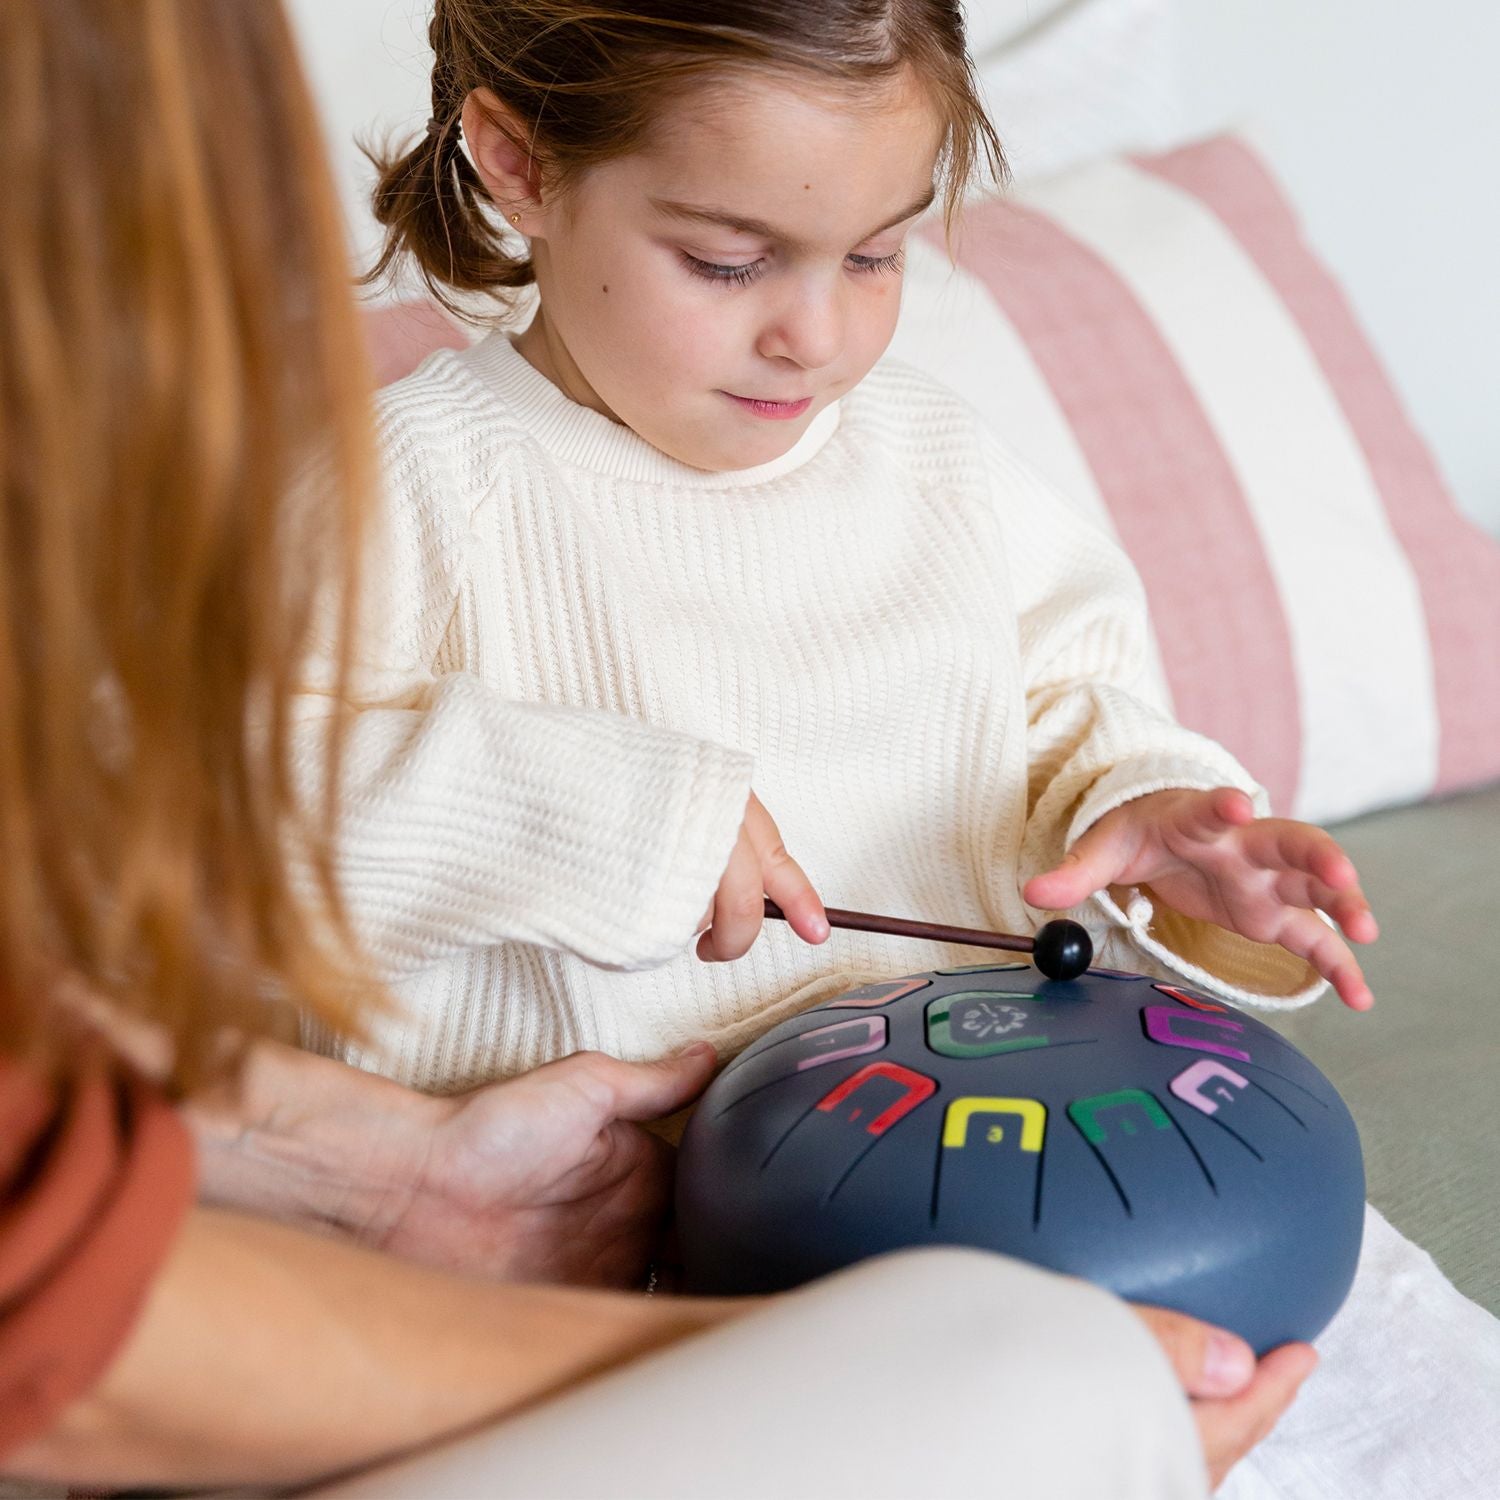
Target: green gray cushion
[1421,1072]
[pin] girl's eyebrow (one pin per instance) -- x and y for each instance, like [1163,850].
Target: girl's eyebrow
[702,214]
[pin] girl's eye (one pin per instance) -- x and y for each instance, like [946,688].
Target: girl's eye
[743,275]
[724,275]
[877,263]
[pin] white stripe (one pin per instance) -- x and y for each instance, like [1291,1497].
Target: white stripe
[1358,633]
[951,327]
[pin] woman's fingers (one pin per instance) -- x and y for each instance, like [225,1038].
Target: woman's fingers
[1236,1400]
[1231,1426]
[1208,1361]
[640,1090]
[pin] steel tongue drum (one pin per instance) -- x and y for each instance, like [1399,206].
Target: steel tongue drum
[1140,1135]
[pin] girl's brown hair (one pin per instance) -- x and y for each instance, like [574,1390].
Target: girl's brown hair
[184,455]
[588,80]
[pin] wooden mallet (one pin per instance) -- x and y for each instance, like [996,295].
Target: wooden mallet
[1061,949]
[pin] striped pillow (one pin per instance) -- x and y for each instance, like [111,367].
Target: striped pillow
[1155,336]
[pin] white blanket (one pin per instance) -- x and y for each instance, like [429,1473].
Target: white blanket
[1405,1402]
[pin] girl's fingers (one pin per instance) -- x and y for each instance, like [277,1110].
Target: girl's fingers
[1348,908]
[739,908]
[1091,864]
[782,878]
[1205,816]
[1309,937]
[1352,912]
[1301,846]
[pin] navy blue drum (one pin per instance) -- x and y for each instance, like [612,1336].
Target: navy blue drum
[1141,1135]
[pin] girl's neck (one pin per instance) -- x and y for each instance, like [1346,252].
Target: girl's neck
[542,348]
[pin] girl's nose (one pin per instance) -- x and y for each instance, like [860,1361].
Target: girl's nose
[807,329]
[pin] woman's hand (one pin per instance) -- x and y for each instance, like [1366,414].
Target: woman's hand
[759,866]
[545,1177]
[1207,855]
[549,1176]
[1236,1400]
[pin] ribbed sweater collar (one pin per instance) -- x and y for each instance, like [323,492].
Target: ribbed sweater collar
[590,440]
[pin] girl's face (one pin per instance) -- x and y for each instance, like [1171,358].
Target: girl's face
[718,288]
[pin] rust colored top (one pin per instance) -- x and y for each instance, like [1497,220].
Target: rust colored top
[96,1174]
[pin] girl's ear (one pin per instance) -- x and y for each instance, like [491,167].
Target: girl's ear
[499,145]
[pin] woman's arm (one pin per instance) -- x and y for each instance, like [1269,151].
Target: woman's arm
[545,1177]
[266,1355]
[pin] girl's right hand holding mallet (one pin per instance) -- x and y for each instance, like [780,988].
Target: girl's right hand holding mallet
[759,866]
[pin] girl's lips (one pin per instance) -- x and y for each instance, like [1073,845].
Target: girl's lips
[775,411]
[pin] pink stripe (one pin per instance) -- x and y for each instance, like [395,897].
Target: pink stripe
[400,335]
[1175,500]
[1457,566]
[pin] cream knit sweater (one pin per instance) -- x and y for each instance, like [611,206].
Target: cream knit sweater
[935,668]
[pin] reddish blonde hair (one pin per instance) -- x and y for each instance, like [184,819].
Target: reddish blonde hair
[588,80]
[180,359]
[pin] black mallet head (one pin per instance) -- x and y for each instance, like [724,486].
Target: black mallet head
[1062,949]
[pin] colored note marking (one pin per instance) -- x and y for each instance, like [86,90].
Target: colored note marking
[1187,999]
[1161,1022]
[1032,1113]
[981,1023]
[917,1088]
[1191,1083]
[1084,1113]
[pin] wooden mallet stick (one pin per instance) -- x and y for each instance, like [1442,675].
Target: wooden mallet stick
[1061,949]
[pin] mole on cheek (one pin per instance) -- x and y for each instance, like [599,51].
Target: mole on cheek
[605,289]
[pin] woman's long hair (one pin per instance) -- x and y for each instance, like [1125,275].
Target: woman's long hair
[184,457]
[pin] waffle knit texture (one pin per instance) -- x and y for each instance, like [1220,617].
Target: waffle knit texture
[937,669]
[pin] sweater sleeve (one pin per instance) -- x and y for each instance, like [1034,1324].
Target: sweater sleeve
[1096,740]
[467,819]
[96,1174]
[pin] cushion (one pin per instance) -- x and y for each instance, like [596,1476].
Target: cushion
[400,335]
[1154,334]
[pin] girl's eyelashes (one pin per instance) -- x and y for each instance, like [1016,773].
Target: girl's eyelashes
[743,275]
[712,271]
[880,264]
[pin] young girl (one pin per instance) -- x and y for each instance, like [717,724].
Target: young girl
[683,495]
[688,492]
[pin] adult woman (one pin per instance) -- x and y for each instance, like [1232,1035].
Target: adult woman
[184,468]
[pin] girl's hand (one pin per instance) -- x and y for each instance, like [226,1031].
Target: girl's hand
[759,866]
[1208,856]
[1236,1400]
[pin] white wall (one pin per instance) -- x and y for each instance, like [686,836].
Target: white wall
[1380,116]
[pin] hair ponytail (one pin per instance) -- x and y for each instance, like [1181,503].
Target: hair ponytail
[434,209]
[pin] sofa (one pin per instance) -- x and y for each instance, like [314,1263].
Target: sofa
[1420,1071]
